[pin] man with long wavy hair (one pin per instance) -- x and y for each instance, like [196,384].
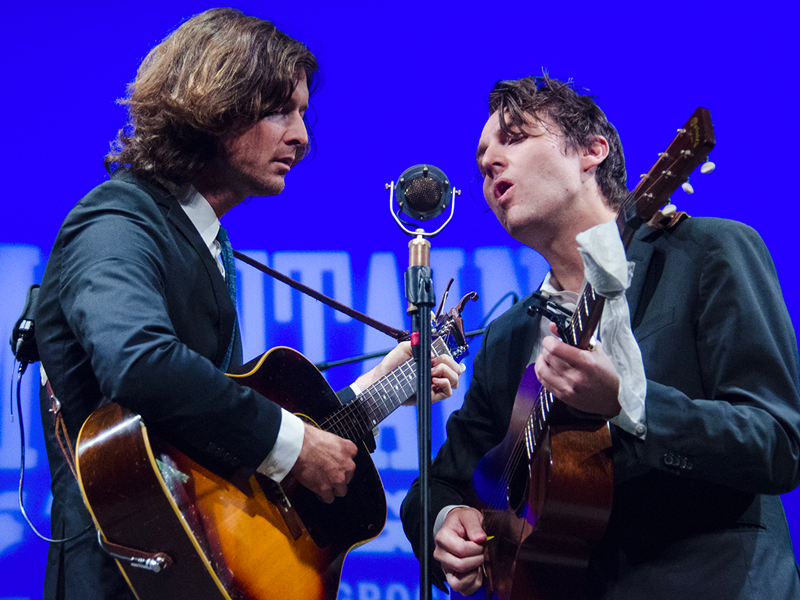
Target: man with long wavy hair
[134,305]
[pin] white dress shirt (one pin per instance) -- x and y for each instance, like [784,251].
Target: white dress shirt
[290,435]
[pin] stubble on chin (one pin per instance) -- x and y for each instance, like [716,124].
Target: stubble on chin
[271,185]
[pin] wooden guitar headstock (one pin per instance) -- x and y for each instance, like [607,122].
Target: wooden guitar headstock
[688,149]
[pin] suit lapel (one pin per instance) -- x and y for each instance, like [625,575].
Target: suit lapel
[180,221]
[640,253]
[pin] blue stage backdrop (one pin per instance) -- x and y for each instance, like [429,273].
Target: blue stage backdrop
[401,83]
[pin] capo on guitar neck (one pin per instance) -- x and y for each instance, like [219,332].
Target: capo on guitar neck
[542,305]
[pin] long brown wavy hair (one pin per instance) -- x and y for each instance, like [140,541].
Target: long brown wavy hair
[577,116]
[220,71]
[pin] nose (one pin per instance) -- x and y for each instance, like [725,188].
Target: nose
[296,133]
[493,161]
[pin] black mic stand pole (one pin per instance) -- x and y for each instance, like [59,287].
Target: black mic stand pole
[421,299]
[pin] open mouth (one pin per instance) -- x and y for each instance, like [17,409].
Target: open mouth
[500,189]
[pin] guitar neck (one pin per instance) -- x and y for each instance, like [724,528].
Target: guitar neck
[353,420]
[590,305]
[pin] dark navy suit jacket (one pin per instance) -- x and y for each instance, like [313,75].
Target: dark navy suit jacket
[133,307]
[696,512]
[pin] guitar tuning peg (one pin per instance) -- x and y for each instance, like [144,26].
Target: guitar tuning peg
[707,167]
[687,187]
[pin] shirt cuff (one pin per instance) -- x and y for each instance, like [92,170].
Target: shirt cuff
[287,448]
[632,423]
[437,524]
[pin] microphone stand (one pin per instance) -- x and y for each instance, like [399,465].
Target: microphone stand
[423,192]
[421,299]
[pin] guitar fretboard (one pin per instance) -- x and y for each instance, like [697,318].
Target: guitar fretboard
[578,333]
[353,420]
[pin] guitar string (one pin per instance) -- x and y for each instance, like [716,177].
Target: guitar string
[403,388]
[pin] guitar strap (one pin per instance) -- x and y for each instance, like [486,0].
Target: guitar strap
[60,427]
[350,312]
[668,220]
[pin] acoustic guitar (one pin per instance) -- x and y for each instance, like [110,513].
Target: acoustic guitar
[546,491]
[180,532]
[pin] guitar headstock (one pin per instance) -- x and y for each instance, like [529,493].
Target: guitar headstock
[449,328]
[688,149]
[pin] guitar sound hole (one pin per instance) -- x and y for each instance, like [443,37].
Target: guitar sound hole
[517,490]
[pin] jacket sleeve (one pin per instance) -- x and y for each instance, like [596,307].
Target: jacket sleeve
[722,398]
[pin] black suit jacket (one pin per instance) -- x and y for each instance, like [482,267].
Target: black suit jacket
[696,512]
[133,307]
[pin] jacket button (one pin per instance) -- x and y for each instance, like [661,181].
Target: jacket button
[669,460]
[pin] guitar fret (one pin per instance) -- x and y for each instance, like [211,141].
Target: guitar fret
[541,426]
[342,422]
[381,407]
[530,442]
[373,409]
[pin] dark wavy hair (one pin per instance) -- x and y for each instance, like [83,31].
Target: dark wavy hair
[220,71]
[577,116]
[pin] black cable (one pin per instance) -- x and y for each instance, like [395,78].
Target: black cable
[497,305]
[20,372]
[322,366]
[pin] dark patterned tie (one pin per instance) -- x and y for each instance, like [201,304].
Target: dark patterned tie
[230,279]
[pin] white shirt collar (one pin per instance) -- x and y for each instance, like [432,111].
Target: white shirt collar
[566,298]
[199,212]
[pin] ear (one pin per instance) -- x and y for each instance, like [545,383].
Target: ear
[595,153]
